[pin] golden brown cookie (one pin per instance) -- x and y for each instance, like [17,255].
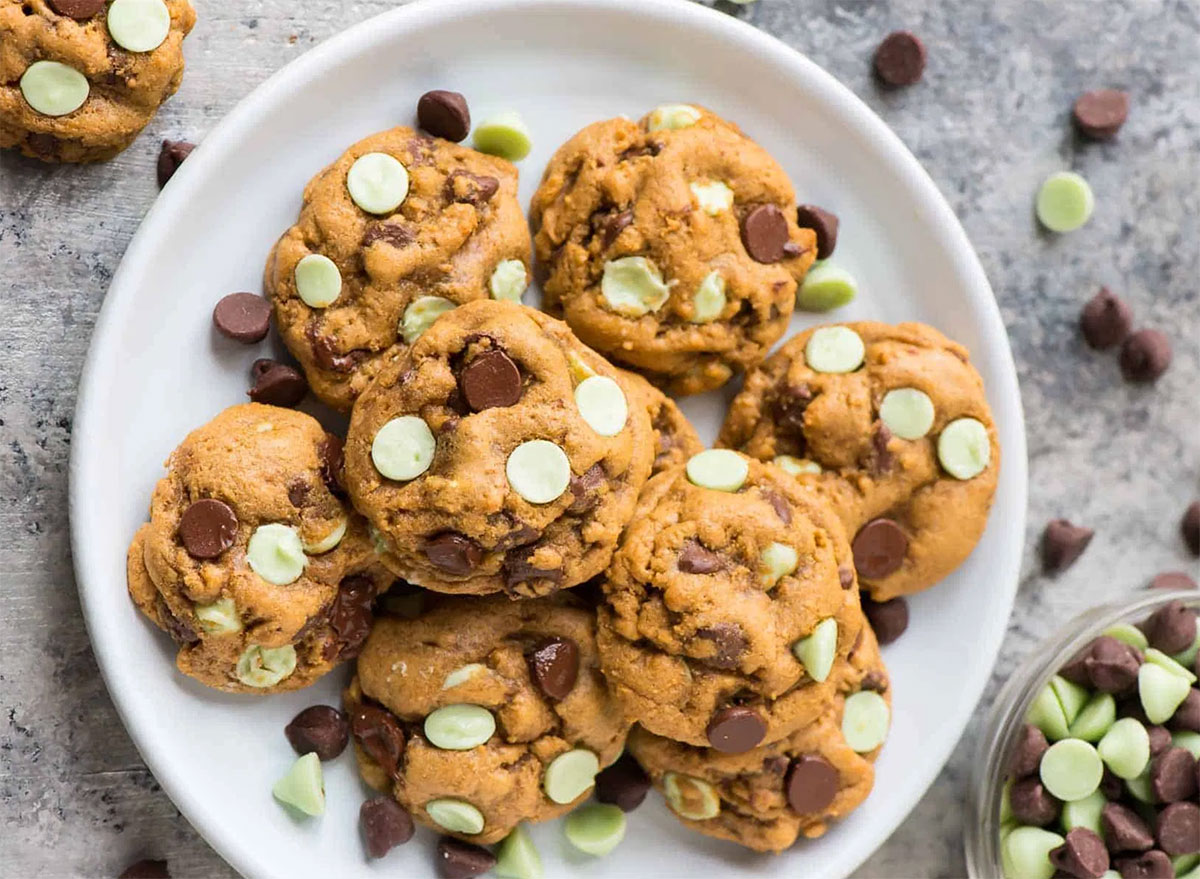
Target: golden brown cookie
[670,245]
[713,597]
[914,494]
[250,560]
[675,438]
[484,712]
[457,234]
[79,80]
[764,799]
[498,453]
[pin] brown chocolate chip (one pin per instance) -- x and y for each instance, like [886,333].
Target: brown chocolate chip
[350,616]
[695,559]
[379,734]
[385,824]
[490,380]
[320,730]
[1032,803]
[396,234]
[77,9]
[1062,544]
[473,189]
[1100,114]
[276,384]
[1111,665]
[519,568]
[1105,320]
[333,462]
[243,317]
[1160,739]
[554,666]
[1124,830]
[1171,628]
[149,868]
[1151,865]
[1112,786]
[1170,580]
[1145,355]
[779,504]
[788,407]
[610,225]
[1189,527]
[327,356]
[173,152]
[624,784]
[1081,855]
[888,619]
[1027,752]
[823,223]
[585,489]
[900,59]
[879,549]
[461,860]
[811,784]
[1173,775]
[730,642]
[1187,715]
[207,528]
[43,144]
[453,553]
[1178,829]
[444,114]
[764,233]
[845,577]
[735,730]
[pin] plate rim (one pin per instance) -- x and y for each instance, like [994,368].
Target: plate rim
[355,39]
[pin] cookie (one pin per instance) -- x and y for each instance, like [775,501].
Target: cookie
[890,423]
[714,596]
[251,561]
[79,80]
[670,245]
[675,440]
[498,453]
[484,712]
[766,798]
[401,228]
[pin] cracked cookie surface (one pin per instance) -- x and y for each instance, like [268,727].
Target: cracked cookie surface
[459,223]
[712,217]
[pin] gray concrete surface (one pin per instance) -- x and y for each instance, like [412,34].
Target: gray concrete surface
[989,122]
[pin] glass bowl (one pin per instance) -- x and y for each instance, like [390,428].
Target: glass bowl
[1007,715]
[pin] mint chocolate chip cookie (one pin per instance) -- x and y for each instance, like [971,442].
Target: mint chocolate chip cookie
[768,797]
[891,424]
[670,245]
[484,712]
[727,605]
[79,79]
[251,560]
[498,454]
[399,230]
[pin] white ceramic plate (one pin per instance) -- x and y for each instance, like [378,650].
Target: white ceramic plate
[156,370]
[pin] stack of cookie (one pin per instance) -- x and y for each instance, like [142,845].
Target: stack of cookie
[526,546]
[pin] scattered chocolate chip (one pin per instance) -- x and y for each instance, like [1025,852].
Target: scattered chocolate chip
[1111,665]
[1169,580]
[1100,114]
[276,384]
[444,114]
[79,10]
[396,234]
[490,380]
[1187,715]
[43,144]
[1171,628]
[845,577]
[519,568]
[453,553]
[888,618]
[730,642]
[462,860]
[1105,320]
[823,223]
[333,462]
[735,729]
[900,59]
[1178,829]
[764,233]
[1124,830]
[554,666]
[879,549]
[585,489]
[243,317]
[695,559]
[350,615]
[624,784]
[320,730]
[385,824]
[173,151]
[1189,526]
[1032,804]
[379,734]
[1160,739]
[474,189]
[1027,752]
[609,225]
[207,528]
[1062,544]
[811,784]
[1081,855]
[1173,775]
[149,868]
[1151,865]
[1145,355]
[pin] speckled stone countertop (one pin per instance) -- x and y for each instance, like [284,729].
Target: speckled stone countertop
[989,123]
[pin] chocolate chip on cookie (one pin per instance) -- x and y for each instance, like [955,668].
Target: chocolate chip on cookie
[453,553]
[554,666]
[444,114]
[735,729]
[80,10]
[379,734]
[695,559]
[243,317]
[207,528]
[823,223]
[812,783]
[764,233]
[879,548]
[350,615]
[490,380]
